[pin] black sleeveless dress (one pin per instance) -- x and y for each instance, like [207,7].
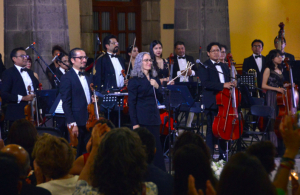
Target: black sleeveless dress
[163,73]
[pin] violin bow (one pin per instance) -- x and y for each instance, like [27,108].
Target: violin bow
[131,56]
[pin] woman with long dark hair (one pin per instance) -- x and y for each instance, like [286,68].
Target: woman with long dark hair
[132,52]
[273,83]
[160,64]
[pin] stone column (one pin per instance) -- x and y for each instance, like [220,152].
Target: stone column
[42,21]
[150,22]
[199,22]
[86,26]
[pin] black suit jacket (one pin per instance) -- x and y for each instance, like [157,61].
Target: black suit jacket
[211,83]
[73,97]
[176,67]
[142,103]
[250,63]
[12,86]
[290,56]
[105,77]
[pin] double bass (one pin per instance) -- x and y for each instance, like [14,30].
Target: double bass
[288,102]
[226,124]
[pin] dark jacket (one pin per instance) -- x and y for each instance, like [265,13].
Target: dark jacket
[142,103]
[211,83]
[176,67]
[73,97]
[105,77]
[250,63]
[12,86]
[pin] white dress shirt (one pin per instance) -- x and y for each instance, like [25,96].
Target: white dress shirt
[59,108]
[219,69]
[27,81]
[118,70]
[85,86]
[258,62]
[182,63]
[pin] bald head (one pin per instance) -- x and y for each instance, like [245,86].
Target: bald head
[21,155]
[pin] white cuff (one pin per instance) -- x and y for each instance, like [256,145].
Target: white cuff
[19,98]
[193,73]
[72,124]
[179,73]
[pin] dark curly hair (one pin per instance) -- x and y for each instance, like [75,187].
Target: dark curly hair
[191,138]
[54,156]
[191,160]
[120,164]
[265,151]
[244,174]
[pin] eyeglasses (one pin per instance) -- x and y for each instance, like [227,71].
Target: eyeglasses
[114,43]
[65,62]
[82,57]
[148,60]
[213,51]
[23,56]
[223,51]
[258,46]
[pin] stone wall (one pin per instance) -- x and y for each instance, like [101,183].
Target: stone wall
[42,21]
[150,22]
[199,22]
[86,26]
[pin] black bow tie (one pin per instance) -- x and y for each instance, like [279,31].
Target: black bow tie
[216,64]
[24,69]
[81,73]
[259,56]
[113,56]
[181,57]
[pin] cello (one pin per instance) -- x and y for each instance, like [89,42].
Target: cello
[287,103]
[226,124]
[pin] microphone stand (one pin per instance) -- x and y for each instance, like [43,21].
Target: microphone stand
[37,60]
[55,77]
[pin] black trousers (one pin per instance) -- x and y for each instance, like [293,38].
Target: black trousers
[83,139]
[158,158]
[211,140]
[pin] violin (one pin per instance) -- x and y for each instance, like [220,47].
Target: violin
[226,124]
[93,111]
[288,102]
[73,138]
[125,104]
[29,109]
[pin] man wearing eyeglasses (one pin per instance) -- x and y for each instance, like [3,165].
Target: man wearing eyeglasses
[256,61]
[76,95]
[15,84]
[213,81]
[109,67]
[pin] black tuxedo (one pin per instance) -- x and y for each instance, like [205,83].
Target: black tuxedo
[73,97]
[58,73]
[105,77]
[211,86]
[12,86]
[250,63]
[211,83]
[290,56]
[176,67]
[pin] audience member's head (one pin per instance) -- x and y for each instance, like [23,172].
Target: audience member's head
[191,138]
[23,133]
[191,160]
[265,151]
[21,156]
[53,155]
[120,164]
[148,140]
[244,174]
[9,175]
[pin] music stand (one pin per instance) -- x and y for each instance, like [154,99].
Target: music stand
[46,100]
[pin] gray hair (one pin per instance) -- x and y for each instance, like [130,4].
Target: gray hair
[137,69]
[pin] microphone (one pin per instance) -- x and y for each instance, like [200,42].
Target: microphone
[55,57]
[199,62]
[98,40]
[30,46]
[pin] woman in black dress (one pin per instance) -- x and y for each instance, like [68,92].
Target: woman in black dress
[161,65]
[143,91]
[273,83]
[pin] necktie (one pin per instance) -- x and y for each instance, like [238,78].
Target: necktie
[81,73]
[113,56]
[259,56]
[24,69]
[181,57]
[216,64]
